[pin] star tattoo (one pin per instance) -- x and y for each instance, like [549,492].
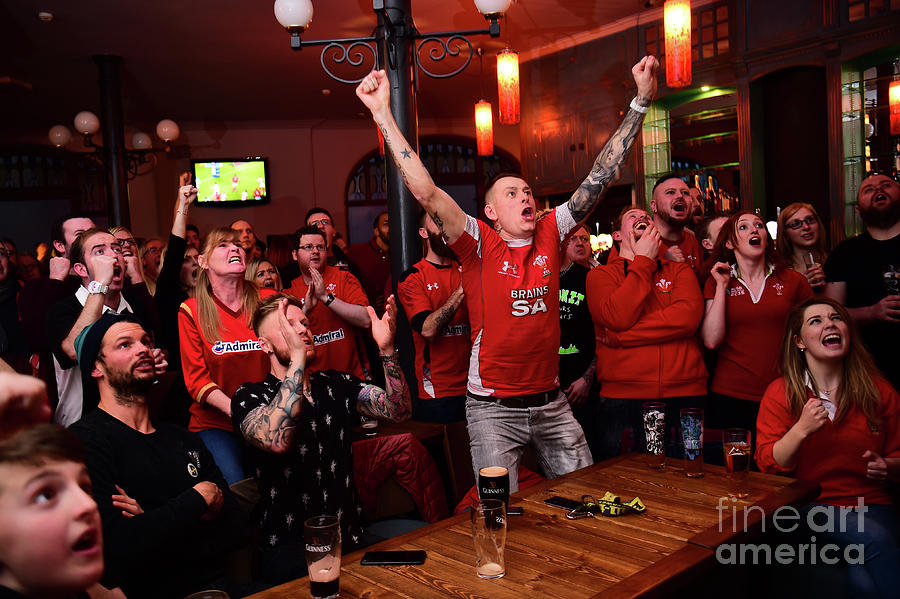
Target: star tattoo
[405,153]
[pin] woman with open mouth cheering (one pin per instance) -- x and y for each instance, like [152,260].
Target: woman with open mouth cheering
[748,298]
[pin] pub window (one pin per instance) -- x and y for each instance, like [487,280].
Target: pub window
[451,161]
[858,10]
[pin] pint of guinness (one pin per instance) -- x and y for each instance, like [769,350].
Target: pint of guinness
[493,483]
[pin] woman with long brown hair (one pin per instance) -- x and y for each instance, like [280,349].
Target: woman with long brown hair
[832,419]
[748,297]
[219,351]
[801,242]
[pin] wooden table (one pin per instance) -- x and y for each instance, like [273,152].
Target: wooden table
[549,556]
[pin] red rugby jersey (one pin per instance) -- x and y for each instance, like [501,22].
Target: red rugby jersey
[512,296]
[224,364]
[748,357]
[441,364]
[334,337]
[689,246]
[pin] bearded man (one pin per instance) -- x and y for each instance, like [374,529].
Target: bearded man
[432,295]
[863,273]
[168,515]
[671,207]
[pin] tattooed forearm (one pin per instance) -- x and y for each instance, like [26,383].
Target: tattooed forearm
[391,403]
[438,320]
[272,427]
[606,167]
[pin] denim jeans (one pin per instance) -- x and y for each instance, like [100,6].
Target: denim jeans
[498,435]
[442,410]
[226,450]
[879,574]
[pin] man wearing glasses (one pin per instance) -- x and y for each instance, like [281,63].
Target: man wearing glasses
[97,259]
[334,302]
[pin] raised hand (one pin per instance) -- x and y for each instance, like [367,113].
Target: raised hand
[59,268]
[186,195]
[105,268]
[185,178]
[295,343]
[813,417]
[23,402]
[374,91]
[160,360]
[674,254]
[318,283]
[644,74]
[132,270]
[648,244]
[721,273]
[383,328]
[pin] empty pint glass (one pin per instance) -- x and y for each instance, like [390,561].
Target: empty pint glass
[489,534]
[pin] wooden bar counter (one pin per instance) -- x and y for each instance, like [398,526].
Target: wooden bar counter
[632,555]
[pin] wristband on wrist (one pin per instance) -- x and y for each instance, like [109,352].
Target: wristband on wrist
[637,107]
[329,299]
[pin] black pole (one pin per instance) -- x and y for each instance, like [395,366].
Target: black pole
[113,123]
[395,48]
[395,54]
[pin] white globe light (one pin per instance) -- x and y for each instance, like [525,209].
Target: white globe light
[168,130]
[59,135]
[772,227]
[294,13]
[141,141]
[86,122]
[489,7]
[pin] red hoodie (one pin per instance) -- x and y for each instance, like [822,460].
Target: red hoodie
[649,312]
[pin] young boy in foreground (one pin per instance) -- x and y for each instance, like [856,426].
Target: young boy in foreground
[51,543]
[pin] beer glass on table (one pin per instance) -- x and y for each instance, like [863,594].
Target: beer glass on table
[322,535]
[692,437]
[737,460]
[655,434]
[493,483]
[489,534]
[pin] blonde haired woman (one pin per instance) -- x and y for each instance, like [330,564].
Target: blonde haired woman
[831,419]
[265,274]
[219,351]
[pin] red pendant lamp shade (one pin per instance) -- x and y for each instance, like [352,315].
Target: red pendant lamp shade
[677,19]
[894,102]
[508,86]
[484,132]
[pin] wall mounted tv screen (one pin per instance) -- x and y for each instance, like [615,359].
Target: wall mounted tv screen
[231,182]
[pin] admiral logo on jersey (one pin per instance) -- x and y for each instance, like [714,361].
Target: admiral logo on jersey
[328,337]
[229,347]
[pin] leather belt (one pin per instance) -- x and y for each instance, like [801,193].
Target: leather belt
[535,400]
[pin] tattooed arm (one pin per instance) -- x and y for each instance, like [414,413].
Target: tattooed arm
[374,91]
[393,402]
[437,321]
[612,157]
[272,427]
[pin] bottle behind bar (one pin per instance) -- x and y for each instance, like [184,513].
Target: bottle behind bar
[711,195]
